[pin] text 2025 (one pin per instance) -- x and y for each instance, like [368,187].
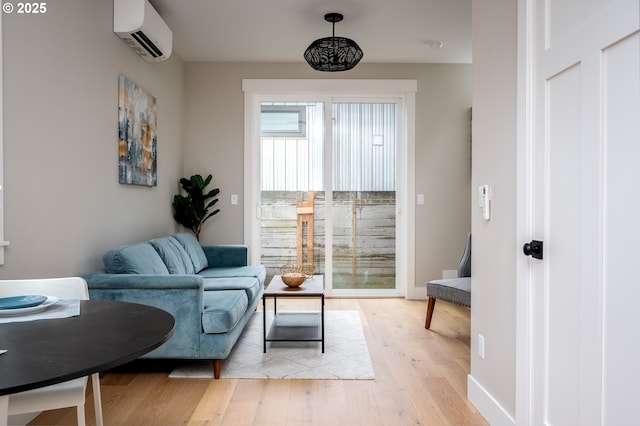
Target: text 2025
[31,8]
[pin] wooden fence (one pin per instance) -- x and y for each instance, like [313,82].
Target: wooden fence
[364,235]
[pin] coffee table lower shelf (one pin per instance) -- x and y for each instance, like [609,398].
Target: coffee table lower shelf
[296,327]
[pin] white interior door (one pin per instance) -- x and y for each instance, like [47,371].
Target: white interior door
[585,203]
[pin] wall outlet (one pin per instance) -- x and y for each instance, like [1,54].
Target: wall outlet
[481,346]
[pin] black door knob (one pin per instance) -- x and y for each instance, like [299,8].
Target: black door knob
[533,249]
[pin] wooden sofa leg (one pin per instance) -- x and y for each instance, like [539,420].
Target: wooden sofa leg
[431,303]
[216,368]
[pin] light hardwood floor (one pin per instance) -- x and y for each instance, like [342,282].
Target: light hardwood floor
[420,380]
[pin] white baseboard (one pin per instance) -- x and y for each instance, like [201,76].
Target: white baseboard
[486,404]
[419,292]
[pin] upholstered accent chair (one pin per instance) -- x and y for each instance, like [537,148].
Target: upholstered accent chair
[454,290]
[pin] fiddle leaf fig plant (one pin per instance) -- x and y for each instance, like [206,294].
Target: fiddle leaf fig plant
[195,208]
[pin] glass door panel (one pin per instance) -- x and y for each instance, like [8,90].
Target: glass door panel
[292,184]
[339,214]
[364,196]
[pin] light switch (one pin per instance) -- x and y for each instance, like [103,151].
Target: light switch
[420,199]
[484,201]
[234,199]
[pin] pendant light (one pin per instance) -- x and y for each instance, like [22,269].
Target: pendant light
[333,53]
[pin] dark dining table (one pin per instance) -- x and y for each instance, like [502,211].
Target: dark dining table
[105,335]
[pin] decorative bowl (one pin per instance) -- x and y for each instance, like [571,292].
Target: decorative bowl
[294,275]
[293,279]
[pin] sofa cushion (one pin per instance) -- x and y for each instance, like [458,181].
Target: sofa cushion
[173,255]
[251,285]
[138,258]
[193,249]
[257,271]
[223,310]
[223,255]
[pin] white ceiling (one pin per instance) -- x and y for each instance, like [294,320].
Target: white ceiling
[388,31]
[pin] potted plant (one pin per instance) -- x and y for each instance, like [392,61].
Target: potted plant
[194,208]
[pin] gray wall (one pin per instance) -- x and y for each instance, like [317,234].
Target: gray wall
[64,206]
[493,299]
[215,138]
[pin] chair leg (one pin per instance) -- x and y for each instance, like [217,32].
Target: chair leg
[97,398]
[216,368]
[81,420]
[431,303]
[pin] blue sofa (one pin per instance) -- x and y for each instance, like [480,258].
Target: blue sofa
[210,290]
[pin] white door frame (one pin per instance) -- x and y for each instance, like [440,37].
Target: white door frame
[3,243]
[405,89]
[524,225]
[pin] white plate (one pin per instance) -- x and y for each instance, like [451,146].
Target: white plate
[51,300]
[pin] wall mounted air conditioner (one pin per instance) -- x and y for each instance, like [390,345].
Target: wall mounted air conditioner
[138,24]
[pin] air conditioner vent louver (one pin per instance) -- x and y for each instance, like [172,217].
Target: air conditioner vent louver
[138,23]
[147,44]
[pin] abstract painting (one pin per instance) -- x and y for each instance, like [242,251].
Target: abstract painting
[137,124]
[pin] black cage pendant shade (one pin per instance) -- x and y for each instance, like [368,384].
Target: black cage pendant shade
[333,53]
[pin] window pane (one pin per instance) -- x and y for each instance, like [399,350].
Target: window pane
[283,120]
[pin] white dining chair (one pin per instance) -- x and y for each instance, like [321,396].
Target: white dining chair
[61,395]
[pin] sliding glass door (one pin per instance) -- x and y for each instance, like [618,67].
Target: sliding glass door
[328,190]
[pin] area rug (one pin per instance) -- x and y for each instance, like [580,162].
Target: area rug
[346,354]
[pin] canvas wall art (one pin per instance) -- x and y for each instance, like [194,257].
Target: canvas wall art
[137,124]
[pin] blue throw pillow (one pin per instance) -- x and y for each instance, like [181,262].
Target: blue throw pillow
[173,254]
[193,249]
[138,258]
